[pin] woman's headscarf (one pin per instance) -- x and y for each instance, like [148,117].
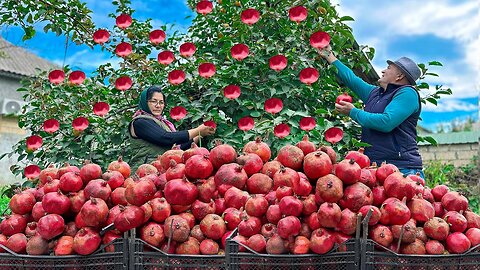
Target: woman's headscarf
[144,110]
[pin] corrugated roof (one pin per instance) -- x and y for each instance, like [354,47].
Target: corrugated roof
[18,61]
[454,137]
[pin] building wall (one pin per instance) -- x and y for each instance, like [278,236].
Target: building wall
[10,134]
[8,88]
[456,154]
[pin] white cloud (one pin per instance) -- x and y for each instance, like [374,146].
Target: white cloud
[450,105]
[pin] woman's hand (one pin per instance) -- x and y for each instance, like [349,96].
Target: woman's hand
[205,130]
[344,107]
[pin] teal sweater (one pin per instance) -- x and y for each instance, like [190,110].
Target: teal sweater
[403,104]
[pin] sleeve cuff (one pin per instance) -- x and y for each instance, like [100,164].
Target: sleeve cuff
[354,114]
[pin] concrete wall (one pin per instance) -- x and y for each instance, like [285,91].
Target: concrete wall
[456,154]
[8,88]
[10,134]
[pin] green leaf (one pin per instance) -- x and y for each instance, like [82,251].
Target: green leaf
[432,100]
[346,18]
[435,63]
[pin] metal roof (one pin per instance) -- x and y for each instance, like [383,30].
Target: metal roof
[15,60]
[454,137]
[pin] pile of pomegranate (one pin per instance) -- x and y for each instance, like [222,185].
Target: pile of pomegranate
[188,202]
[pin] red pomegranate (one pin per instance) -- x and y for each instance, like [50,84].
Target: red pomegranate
[298,13]
[166,57]
[206,70]
[306,145]
[204,7]
[250,16]
[308,75]
[231,91]
[239,51]
[187,49]
[344,97]
[180,192]
[320,39]
[123,21]
[278,62]
[246,123]
[157,36]
[258,147]
[333,135]
[176,77]
[222,154]
[317,164]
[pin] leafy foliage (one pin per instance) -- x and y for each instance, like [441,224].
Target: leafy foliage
[213,34]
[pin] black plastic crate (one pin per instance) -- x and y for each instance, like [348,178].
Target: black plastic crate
[333,260]
[145,256]
[101,259]
[375,258]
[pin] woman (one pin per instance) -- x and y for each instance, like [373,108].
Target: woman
[151,134]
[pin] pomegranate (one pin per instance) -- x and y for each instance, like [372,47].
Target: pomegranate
[232,217]
[317,164]
[306,146]
[376,214]
[329,215]
[256,206]
[120,166]
[329,188]
[268,230]
[421,209]
[291,156]
[147,169]
[348,222]
[367,178]
[13,224]
[94,212]
[260,148]
[196,232]
[198,167]
[454,201]
[175,171]
[473,234]
[271,167]
[439,191]
[395,212]
[231,174]
[213,226]
[201,209]
[70,182]
[259,183]
[77,200]
[409,232]
[473,219]
[417,247]
[222,154]
[90,171]
[142,191]
[348,171]
[321,241]
[161,209]
[114,179]
[355,196]
[436,228]
[22,202]
[209,247]
[251,163]
[50,171]
[288,226]
[56,203]
[152,233]
[98,188]
[176,228]
[37,246]
[457,243]
[249,225]
[86,241]
[118,196]
[330,152]
[381,234]
[257,242]
[399,185]
[385,170]
[235,198]
[434,247]
[194,150]
[64,246]
[275,245]
[285,177]
[129,217]
[17,243]
[344,97]
[273,213]
[457,222]
[50,226]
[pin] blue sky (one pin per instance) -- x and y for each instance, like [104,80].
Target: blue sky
[427,30]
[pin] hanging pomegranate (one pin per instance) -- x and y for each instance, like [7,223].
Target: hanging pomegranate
[307,123]
[278,62]
[176,77]
[178,113]
[80,123]
[101,36]
[56,76]
[333,135]
[309,75]
[101,108]
[77,77]
[123,21]
[206,70]
[320,39]
[157,36]
[31,171]
[166,57]
[343,97]
[204,7]
[250,16]
[239,51]
[231,91]
[298,14]
[273,105]
[123,83]
[281,130]
[123,49]
[246,123]
[210,123]
[34,142]
[187,49]
[51,125]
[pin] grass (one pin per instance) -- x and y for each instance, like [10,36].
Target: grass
[4,205]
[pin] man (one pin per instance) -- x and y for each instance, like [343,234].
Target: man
[391,112]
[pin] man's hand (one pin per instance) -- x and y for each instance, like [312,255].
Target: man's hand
[344,107]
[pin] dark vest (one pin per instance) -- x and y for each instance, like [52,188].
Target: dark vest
[398,146]
[141,151]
